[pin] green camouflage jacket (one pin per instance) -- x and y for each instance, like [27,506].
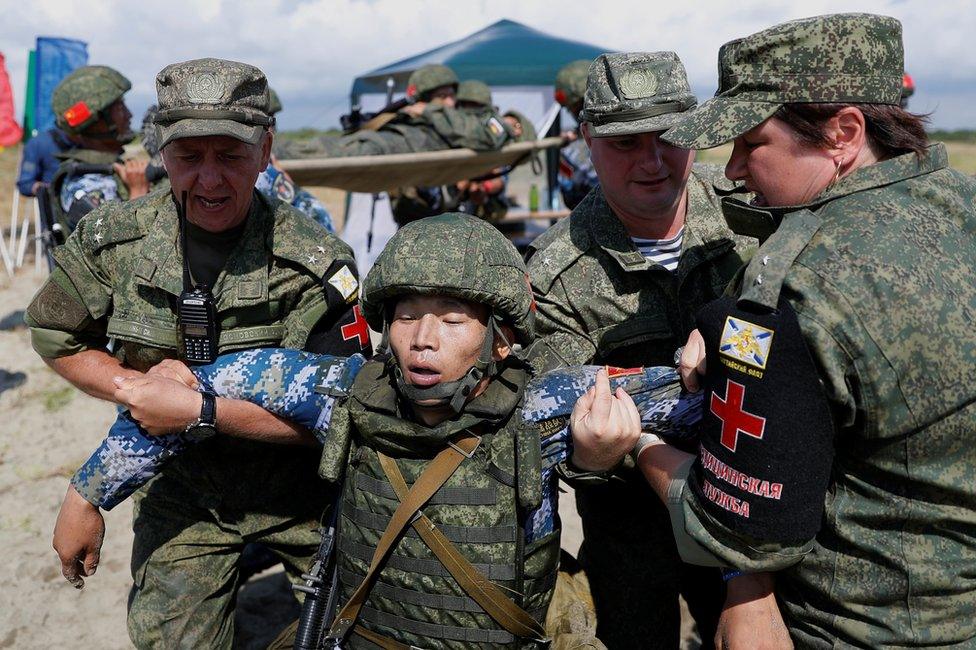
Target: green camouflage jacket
[883,287]
[600,301]
[118,275]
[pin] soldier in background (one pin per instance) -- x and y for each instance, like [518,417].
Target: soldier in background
[430,122]
[618,282]
[275,183]
[39,162]
[277,279]
[576,175]
[89,107]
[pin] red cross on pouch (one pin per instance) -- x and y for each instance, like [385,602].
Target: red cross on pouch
[357,328]
[734,419]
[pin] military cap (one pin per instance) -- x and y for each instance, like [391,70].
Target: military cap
[83,94]
[452,254]
[838,58]
[635,92]
[428,78]
[571,83]
[212,97]
[274,102]
[474,91]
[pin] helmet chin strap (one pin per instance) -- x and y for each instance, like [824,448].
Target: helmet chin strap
[454,393]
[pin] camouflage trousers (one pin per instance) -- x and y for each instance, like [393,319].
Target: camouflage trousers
[635,572]
[191,524]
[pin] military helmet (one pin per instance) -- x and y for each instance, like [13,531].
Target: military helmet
[457,255]
[428,78]
[274,102]
[571,83]
[82,95]
[474,91]
[529,134]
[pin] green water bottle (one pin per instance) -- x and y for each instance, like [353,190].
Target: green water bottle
[534,198]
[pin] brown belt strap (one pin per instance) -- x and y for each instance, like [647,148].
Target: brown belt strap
[486,593]
[384,642]
[433,477]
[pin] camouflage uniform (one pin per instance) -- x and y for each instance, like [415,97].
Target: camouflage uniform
[600,301]
[437,128]
[78,102]
[879,270]
[116,278]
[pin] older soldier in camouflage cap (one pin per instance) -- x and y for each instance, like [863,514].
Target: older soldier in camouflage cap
[89,107]
[839,447]
[277,278]
[619,282]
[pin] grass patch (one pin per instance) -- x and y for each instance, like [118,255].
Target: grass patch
[57,399]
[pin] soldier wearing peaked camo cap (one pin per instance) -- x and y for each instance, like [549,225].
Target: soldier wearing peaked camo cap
[276,278]
[788,64]
[831,453]
[619,282]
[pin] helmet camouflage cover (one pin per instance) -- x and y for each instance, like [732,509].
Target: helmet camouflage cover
[456,255]
[474,91]
[429,78]
[571,83]
[82,95]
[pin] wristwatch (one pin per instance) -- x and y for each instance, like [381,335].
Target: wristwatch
[206,425]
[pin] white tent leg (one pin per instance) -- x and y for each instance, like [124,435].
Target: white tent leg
[37,236]
[22,248]
[7,263]
[14,213]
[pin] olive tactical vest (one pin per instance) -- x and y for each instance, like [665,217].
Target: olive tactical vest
[479,509]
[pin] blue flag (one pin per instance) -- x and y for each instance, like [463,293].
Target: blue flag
[56,57]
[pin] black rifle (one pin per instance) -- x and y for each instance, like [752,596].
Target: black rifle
[356,119]
[320,588]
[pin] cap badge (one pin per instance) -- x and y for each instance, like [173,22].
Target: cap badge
[637,83]
[204,88]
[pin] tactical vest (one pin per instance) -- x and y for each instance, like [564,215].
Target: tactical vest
[479,509]
[69,163]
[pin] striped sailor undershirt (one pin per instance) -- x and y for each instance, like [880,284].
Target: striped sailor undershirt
[665,252]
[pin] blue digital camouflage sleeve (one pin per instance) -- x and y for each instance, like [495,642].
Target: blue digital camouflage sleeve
[273,183]
[297,385]
[665,410]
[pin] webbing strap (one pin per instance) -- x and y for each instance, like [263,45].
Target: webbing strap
[457,534]
[434,476]
[486,593]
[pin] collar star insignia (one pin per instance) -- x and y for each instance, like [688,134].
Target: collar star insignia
[546,261]
[98,237]
[320,249]
[99,222]
[312,259]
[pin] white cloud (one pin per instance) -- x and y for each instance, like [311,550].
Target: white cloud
[312,50]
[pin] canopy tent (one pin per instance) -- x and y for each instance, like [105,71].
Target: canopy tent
[517,62]
[505,53]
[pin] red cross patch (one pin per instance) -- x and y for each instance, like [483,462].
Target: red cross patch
[357,328]
[735,419]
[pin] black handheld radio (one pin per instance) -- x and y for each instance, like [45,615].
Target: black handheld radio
[196,310]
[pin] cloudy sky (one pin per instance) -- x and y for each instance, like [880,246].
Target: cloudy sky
[312,49]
